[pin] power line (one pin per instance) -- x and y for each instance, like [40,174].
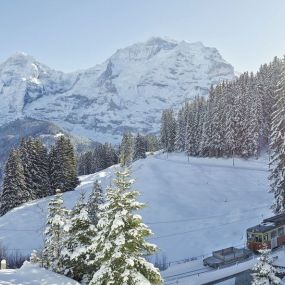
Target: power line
[198,219]
[195,230]
[152,223]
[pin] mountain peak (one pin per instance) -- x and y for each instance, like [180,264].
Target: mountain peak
[126,92]
[161,41]
[20,57]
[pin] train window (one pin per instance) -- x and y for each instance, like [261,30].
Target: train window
[273,234]
[281,232]
[249,236]
[266,237]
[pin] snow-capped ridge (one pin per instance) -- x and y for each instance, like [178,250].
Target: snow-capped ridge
[126,92]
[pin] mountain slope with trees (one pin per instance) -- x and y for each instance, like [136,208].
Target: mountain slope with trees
[235,120]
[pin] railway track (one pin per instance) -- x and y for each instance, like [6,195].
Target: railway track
[172,279]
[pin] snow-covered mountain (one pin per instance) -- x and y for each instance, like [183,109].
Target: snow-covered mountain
[128,91]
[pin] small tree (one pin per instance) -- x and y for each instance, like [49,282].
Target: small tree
[54,233]
[35,258]
[79,235]
[121,245]
[95,201]
[139,147]
[127,149]
[264,272]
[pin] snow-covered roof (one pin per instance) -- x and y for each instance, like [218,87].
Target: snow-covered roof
[262,228]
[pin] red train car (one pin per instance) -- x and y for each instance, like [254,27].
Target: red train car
[270,233]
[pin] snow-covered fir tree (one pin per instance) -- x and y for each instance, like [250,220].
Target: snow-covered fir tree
[79,234]
[35,162]
[234,121]
[95,201]
[180,139]
[103,156]
[63,169]
[139,147]
[264,273]
[127,149]
[277,163]
[35,258]
[14,191]
[121,247]
[194,123]
[54,233]
[168,130]
[152,143]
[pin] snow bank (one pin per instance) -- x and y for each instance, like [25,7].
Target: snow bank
[30,274]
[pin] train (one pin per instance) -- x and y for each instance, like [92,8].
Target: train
[270,234]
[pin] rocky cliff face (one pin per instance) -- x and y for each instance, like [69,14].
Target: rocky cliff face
[127,92]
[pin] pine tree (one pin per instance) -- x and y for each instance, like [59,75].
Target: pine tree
[127,149]
[252,141]
[264,272]
[54,233]
[14,191]
[168,130]
[63,169]
[79,234]
[42,175]
[121,244]
[56,173]
[207,132]
[180,139]
[277,163]
[95,202]
[35,258]
[69,164]
[152,143]
[139,147]
[35,162]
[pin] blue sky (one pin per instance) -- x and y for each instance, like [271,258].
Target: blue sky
[75,34]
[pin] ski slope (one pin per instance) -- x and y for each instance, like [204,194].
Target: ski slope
[193,207]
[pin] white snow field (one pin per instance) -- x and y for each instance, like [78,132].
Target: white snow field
[173,274]
[30,274]
[193,208]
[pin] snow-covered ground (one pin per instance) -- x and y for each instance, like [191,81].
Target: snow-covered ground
[30,274]
[193,208]
[194,273]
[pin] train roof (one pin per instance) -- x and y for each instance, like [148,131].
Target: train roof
[276,219]
[262,228]
[268,224]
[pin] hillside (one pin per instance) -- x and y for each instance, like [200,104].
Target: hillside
[194,207]
[128,91]
[12,133]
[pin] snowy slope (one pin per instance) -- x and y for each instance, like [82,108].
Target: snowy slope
[128,91]
[30,274]
[194,207]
